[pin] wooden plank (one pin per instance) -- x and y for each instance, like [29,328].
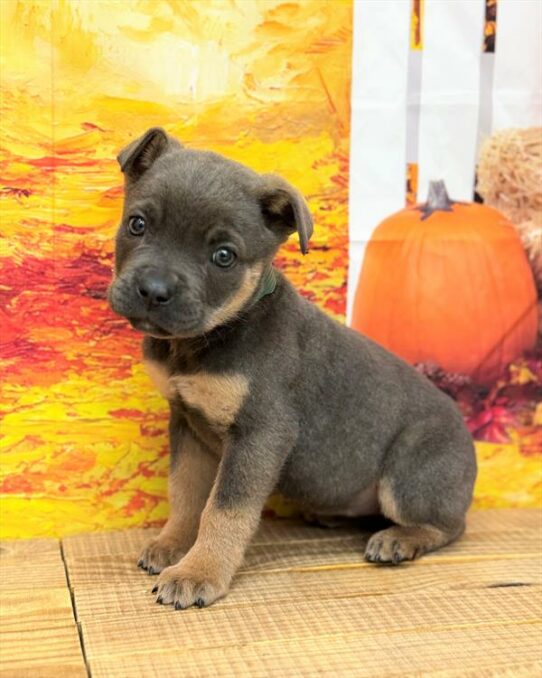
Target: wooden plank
[21,549]
[41,671]
[96,566]
[304,603]
[55,651]
[349,551]
[519,670]
[486,520]
[111,556]
[27,608]
[267,621]
[495,648]
[499,520]
[286,531]
[37,561]
[113,600]
[38,633]
[114,542]
[39,574]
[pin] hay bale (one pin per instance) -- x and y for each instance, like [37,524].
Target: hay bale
[510,179]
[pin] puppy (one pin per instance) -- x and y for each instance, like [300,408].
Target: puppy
[265,391]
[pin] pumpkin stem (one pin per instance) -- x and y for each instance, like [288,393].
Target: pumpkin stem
[437,199]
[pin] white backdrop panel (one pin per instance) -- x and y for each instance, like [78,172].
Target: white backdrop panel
[449,105]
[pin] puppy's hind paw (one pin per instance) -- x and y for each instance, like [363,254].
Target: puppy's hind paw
[392,546]
[399,543]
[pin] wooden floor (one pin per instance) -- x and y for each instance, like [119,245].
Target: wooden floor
[304,604]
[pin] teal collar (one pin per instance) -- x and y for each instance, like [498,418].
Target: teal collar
[268,284]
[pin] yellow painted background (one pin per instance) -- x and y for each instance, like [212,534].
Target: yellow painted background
[267,83]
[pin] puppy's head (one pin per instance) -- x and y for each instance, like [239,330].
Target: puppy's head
[197,232]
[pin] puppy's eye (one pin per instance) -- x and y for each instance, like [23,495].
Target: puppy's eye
[223,257]
[136,226]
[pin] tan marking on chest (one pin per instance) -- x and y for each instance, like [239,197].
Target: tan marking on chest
[160,377]
[218,397]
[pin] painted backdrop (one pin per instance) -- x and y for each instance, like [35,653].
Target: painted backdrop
[264,82]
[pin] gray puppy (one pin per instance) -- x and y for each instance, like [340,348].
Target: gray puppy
[266,392]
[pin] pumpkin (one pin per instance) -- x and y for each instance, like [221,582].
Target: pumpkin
[449,283]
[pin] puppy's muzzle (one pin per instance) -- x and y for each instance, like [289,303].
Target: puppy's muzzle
[157,301]
[155,288]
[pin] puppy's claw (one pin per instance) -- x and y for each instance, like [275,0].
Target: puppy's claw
[179,584]
[159,554]
[155,589]
[396,553]
[160,600]
[372,555]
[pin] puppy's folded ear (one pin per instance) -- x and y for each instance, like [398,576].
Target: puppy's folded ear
[285,210]
[138,156]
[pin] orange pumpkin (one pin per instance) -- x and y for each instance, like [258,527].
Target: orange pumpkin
[448,282]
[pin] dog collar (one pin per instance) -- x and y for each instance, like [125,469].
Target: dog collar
[268,284]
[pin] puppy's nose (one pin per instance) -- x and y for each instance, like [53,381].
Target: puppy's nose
[155,290]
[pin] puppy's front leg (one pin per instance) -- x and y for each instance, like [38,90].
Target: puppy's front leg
[192,473]
[247,474]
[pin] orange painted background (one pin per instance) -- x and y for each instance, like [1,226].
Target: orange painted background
[264,82]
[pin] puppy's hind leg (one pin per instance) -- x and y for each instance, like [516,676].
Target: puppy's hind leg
[427,497]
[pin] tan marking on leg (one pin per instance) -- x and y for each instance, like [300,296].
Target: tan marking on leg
[387,502]
[404,541]
[222,540]
[238,299]
[190,483]
[160,377]
[219,397]
[205,573]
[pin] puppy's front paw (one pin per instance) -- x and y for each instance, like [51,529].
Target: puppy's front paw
[159,554]
[183,585]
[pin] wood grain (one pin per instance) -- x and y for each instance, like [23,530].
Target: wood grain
[304,604]
[38,632]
